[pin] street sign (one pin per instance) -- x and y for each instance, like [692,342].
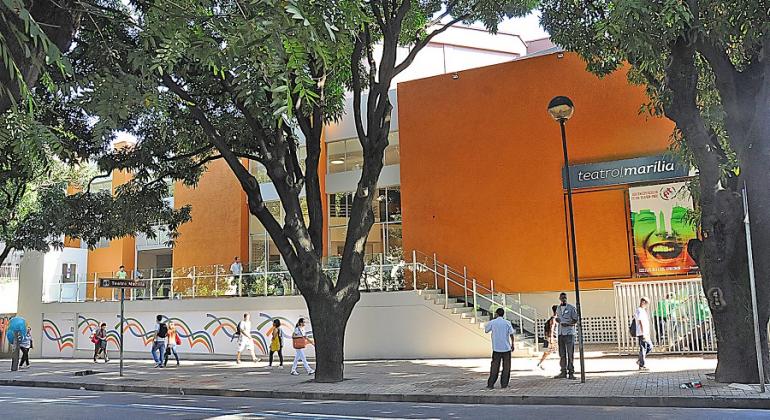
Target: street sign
[121,283]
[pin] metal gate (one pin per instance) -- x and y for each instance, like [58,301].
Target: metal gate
[679,316]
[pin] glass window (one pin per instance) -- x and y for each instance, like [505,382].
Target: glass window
[347,155]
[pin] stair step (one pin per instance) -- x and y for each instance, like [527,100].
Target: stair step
[463,310]
[455,305]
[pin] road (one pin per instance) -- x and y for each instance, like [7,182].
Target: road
[45,403]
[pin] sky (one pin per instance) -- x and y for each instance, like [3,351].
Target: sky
[528,28]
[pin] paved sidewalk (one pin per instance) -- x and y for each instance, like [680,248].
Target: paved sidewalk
[611,380]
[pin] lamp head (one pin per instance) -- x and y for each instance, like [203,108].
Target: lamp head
[561,108]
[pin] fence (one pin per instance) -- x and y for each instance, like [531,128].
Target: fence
[679,315]
[215,281]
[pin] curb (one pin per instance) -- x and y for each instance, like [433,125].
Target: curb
[615,401]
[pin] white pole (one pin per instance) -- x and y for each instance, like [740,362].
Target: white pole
[446,288]
[465,283]
[435,272]
[475,303]
[752,282]
[414,270]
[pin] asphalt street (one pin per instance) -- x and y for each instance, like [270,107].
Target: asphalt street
[45,403]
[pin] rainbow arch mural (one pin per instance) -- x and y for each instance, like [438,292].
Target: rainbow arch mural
[53,333]
[200,332]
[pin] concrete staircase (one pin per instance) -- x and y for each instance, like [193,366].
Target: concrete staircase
[461,312]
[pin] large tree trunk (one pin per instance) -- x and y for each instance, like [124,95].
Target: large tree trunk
[723,260]
[329,315]
[721,252]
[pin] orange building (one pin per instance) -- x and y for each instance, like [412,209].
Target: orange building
[478,178]
[482,182]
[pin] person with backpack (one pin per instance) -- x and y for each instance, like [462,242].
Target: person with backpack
[640,327]
[159,341]
[300,340]
[550,334]
[100,342]
[243,333]
[173,341]
[276,343]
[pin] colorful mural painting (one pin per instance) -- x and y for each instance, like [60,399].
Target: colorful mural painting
[201,333]
[52,332]
[58,332]
[4,320]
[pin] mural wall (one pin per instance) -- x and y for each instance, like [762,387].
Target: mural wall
[58,335]
[201,332]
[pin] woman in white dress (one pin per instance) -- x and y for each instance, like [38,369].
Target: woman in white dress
[300,341]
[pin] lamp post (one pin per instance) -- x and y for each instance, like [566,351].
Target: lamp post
[561,109]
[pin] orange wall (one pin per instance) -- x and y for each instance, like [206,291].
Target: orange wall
[220,224]
[481,171]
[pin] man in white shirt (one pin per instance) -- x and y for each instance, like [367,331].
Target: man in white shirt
[642,319]
[244,339]
[502,345]
[236,269]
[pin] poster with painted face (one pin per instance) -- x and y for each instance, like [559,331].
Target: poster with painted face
[662,229]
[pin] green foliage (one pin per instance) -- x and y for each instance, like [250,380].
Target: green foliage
[611,33]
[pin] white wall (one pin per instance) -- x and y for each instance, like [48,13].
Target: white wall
[393,325]
[52,269]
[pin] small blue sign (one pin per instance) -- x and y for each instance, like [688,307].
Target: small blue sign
[626,171]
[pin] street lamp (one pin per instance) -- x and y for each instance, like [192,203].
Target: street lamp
[561,109]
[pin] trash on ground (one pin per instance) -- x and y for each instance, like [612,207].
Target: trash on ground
[693,384]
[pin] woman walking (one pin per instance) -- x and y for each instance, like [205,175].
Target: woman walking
[100,342]
[551,337]
[25,344]
[300,341]
[276,343]
[173,341]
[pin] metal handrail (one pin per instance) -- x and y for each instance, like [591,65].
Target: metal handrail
[478,295]
[193,284]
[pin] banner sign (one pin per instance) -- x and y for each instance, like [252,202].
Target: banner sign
[626,171]
[661,229]
[121,283]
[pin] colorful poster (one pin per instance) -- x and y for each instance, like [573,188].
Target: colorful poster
[661,229]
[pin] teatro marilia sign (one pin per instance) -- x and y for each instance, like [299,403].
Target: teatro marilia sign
[626,171]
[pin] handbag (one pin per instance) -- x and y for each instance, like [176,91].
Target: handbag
[299,342]
[95,339]
[178,340]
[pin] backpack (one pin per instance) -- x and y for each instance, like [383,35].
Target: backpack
[238,329]
[547,329]
[632,327]
[162,330]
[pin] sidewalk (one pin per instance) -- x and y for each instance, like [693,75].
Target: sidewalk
[610,380]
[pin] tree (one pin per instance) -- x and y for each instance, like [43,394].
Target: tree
[36,169]
[32,34]
[706,67]
[197,81]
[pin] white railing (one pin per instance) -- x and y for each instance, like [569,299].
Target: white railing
[679,315]
[214,281]
[428,271]
[9,272]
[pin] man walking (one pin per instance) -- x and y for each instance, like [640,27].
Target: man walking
[502,344]
[159,341]
[567,317]
[244,339]
[642,319]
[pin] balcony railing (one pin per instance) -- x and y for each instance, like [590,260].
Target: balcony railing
[215,281]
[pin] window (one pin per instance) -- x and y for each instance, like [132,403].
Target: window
[347,155]
[262,250]
[385,236]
